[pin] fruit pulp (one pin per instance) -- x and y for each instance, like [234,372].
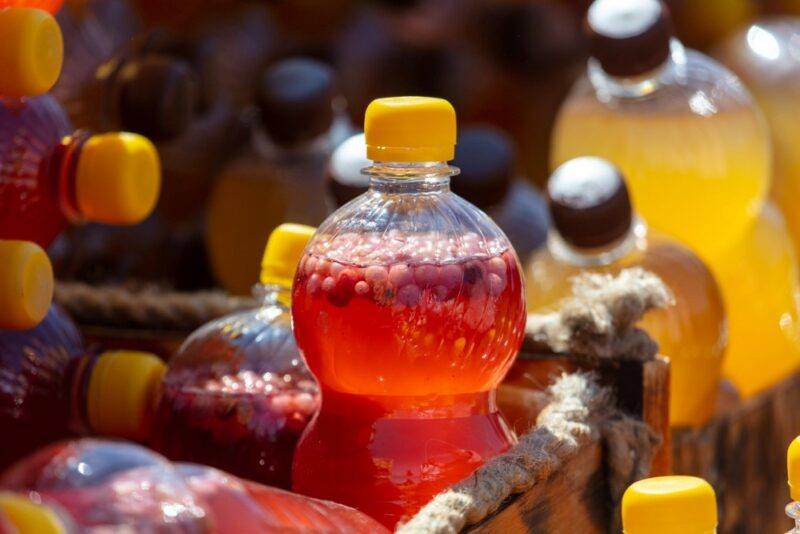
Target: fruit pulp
[700,177]
[759,279]
[692,332]
[407,350]
[32,197]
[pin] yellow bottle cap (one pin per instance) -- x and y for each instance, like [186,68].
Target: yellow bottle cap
[284,250]
[123,389]
[31,52]
[29,517]
[118,178]
[670,504]
[26,284]
[793,468]
[410,129]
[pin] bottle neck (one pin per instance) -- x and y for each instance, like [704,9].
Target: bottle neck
[63,167]
[272,294]
[635,239]
[76,385]
[610,87]
[410,178]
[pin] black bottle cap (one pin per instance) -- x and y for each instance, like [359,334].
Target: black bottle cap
[589,202]
[485,156]
[629,37]
[155,96]
[296,100]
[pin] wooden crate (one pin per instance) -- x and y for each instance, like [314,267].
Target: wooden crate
[743,455]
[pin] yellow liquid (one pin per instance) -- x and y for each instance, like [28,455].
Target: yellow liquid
[251,198]
[700,179]
[692,333]
[759,280]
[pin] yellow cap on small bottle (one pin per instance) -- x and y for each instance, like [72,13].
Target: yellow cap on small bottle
[669,504]
[28,517]
[26,284]
[284,250]
[793,468]
[118,178]
[31,52]
[123,389]
[410,129]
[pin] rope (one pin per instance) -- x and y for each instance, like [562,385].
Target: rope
[145,306]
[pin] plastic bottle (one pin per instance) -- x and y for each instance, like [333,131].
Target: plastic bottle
[408,309]
[766,55]
[237,394]
[485,157]
[111,486]
[110,82]
[668,505]
[759,278]
[595,230]
[31,51]
[793,470]
[26,513]
[281,177]
[682,128]
[54,175]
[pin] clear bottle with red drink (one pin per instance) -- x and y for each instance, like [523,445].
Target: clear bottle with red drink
[408,308]
[93,485]
[52,175]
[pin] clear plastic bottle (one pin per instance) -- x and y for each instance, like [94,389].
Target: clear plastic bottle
[408,308]
[280,178]
[683,129]
[595,230]
[766,56]
[31,51]
[793,470]
[53,175]
[237,394]
[668,505]
[760,283]
[116,486]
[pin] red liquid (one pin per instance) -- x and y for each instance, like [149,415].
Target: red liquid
[32,195]
[48,5]
[408,354]
[240,424]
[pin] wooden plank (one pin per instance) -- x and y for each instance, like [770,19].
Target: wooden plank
[655,412]
[743,455]
[574,499]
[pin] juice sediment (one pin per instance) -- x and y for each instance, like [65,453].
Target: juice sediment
[408,334]
[700,176]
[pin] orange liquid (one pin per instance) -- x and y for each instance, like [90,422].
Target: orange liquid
[408,356]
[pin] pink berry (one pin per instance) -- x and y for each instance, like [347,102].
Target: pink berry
[347,279]
[313,284]
[426,275]
[497,266]
[400,275]
[376,274]
[335,269]
[362,288]
[328,284]
[496,284]
[311,265]
[450,276]
[409,295]
[322,267]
